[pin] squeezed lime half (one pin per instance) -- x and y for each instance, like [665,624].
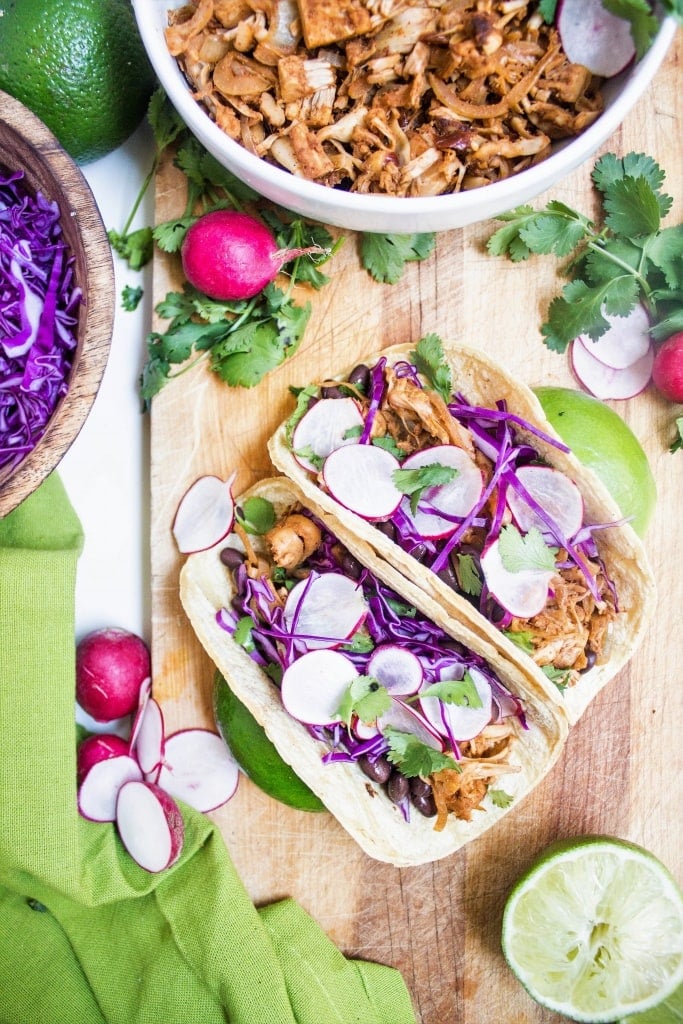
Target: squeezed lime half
[594,930]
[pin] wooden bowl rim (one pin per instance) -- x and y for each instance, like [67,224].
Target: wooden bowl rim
[58,176]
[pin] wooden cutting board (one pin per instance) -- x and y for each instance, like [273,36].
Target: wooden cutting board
[621,770]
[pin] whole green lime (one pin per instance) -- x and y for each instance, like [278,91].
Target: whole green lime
[600,438]
[80,66]
[256,755]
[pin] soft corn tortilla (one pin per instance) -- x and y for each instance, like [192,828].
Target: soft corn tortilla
[359,804]
[483,382]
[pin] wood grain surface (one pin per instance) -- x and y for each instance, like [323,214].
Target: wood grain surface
[621,769]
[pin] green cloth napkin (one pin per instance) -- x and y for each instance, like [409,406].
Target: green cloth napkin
[85,934]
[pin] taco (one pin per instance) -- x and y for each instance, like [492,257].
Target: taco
[414,732]
[446,466]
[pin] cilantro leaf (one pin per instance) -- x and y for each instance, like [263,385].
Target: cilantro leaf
[413,757]
[632,208]
[389,444]
[135,247]
[243,634]
[385,256]
[247,354]
[366,698]
[499,798]
[559,230]
[546,9]
[610,168]
[462,692]
[131,297]
[559,676]
[256,515]
[520,552]
[415,481]
[430,361]
[522,638]
[677,444]
[468,575]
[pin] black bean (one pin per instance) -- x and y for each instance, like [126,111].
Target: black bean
[422,797]
[447,574]
[378,769]
[398,787]
[388,529]
[591,658]
[360,377]
[351,566]
[333,391]
[231,557]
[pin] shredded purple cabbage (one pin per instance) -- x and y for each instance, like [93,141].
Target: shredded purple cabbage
[388,620]
[39,304]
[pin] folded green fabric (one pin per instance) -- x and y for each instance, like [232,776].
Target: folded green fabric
[86,936]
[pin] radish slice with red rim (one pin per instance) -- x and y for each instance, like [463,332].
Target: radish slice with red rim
[625,341]
[407,718]
[325,610]
[150,825]
[148,742]
[554,492]
[199,769]
[99,790]
[397,669]
[313,686]
[455,499]
[594,37]
[604,381]
[460,721]
[96,748]
[524,593]
[329,424]
[205,514]
[359,477]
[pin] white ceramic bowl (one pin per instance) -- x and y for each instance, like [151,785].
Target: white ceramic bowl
[385,214]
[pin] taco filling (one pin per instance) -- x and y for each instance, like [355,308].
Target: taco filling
[381,685]
[463,490]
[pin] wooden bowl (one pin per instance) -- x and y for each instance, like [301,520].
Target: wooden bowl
[26,144]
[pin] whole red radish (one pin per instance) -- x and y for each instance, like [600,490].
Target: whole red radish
[96,748]
[230,256]
[111,666]
[667,370]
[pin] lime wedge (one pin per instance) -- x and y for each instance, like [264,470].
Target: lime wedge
[668,1012]
[594,930]
[256,754]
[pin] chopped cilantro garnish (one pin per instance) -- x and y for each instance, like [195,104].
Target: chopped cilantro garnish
[559,676]
[430,361]
[520,552]
[499,798]
[413,757]
[243,633]
[415,481]
[365,697]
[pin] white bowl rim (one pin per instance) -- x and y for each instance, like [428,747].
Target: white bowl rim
[498,196]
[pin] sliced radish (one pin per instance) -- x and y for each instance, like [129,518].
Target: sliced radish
[554,492]
[325,609]
[363,730]
[148,742]
[199,769]
[460,721]
[523,594]
[454,499]
[313,686]
[396,668]
[625,341]
[359,477]
[150,825]
[407,718]
[604,381]
[100,747]
[329,424]
[594,37]
[99,790]
[205,514]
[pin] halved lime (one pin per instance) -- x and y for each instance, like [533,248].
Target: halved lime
[256,754]
[670,1011]
[601,439]
[594,930]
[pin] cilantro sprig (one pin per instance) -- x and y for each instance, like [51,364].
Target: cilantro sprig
[385,256]
[627,258]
